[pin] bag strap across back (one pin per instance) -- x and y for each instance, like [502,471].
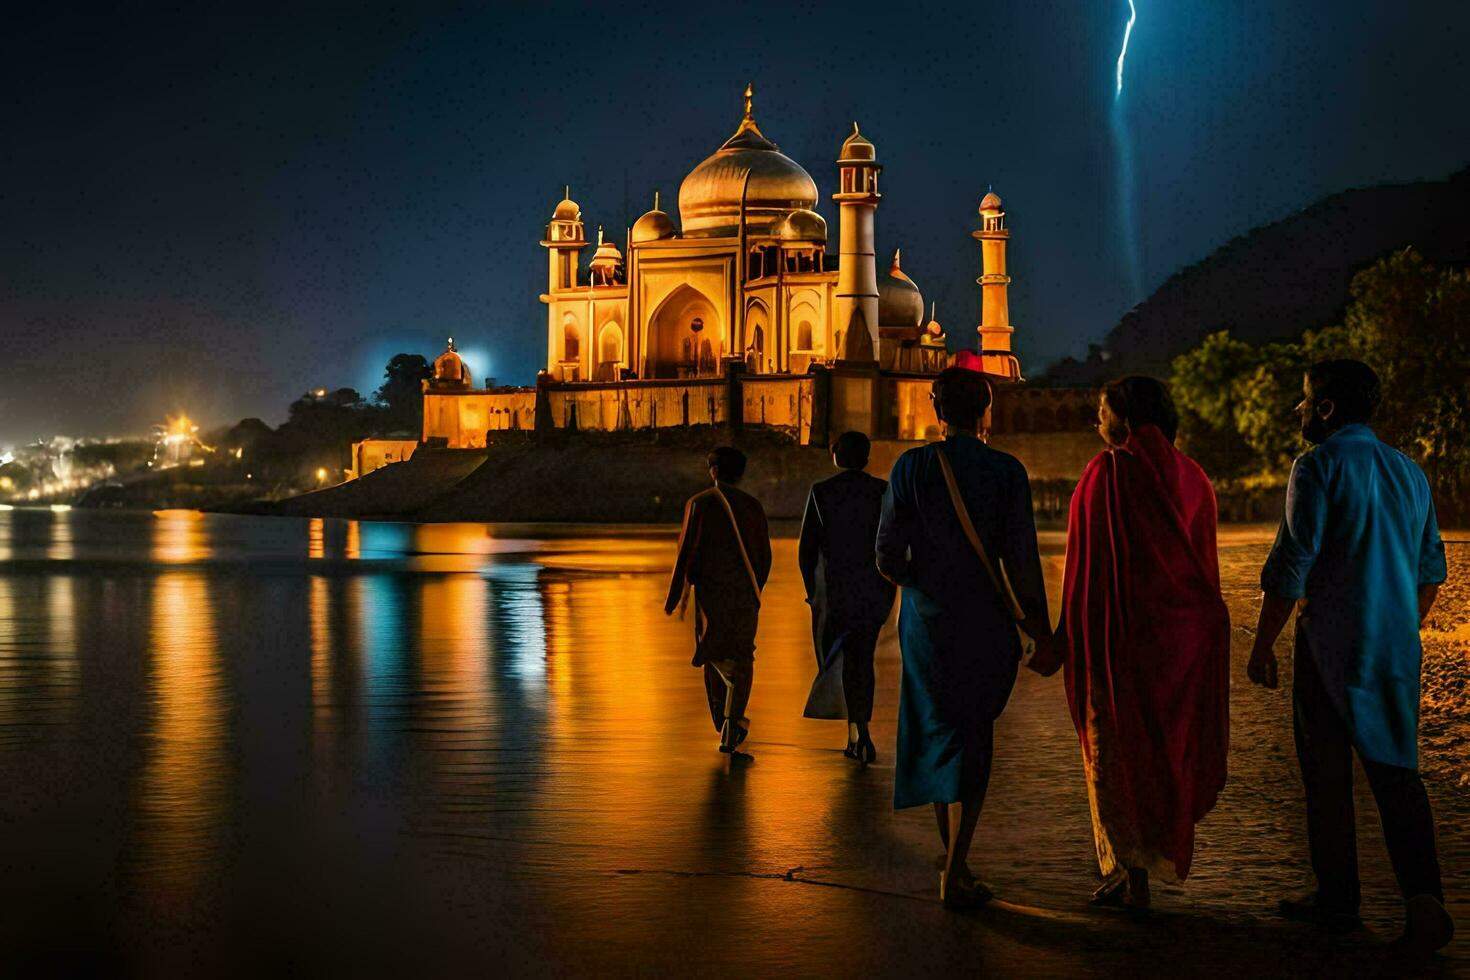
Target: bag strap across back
[997,576]
[740,541]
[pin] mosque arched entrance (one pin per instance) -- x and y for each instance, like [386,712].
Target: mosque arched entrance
[757,331]
[684,337]
[609,352]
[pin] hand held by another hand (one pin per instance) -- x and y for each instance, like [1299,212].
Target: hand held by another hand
[1047,659]
[1263,667]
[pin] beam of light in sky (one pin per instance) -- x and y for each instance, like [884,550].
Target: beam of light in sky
[1123,53]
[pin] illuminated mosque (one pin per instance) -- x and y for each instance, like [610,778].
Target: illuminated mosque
[737,312]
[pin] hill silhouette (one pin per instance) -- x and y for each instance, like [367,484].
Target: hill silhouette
[1280,279]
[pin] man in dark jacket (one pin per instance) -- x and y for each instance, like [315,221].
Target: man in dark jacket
[724,557]
[850,600]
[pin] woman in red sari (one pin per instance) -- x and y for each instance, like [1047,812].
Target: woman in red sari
[1145,640]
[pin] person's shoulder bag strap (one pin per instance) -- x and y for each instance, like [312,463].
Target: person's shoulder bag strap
[997,576]
[740,542]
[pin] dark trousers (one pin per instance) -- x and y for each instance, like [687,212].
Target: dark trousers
[1324,747]
[857,672]
[741,673]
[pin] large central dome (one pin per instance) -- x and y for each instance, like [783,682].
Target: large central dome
[709,198]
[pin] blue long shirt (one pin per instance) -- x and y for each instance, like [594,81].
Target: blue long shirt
[1358,540]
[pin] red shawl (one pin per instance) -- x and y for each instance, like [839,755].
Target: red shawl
[1147,641]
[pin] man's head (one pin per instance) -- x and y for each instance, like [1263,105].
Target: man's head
[850,451]
[960,398]
[726,464]
[1337,393]
[1130,402]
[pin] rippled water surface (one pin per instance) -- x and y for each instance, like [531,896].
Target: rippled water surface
[244,744]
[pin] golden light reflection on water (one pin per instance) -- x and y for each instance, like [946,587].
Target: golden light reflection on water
[182,795]
[62,544]
[454,684]
[319,618]
[61,651]
[180,536]
[10,630]
[353,548]
[316,538]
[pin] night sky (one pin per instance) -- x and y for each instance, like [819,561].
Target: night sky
[215,210]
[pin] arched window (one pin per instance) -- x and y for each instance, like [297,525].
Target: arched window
[612,343]
[804,335]
[571,342]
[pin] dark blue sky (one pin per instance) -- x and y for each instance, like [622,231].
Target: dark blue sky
[214,210]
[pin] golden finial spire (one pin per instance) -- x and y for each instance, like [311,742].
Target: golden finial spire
[749,96]
[655,200]
[896,254]
[566,192]
[854,128]
[599,236]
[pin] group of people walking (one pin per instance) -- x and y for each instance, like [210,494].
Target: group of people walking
[1143,638]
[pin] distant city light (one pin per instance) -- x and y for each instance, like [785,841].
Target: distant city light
[321,476]
[6,507]
[60,508]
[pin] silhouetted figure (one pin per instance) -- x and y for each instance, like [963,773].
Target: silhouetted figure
[1359,553]
[850,600]
[724,558]
[957,627]
[1145,637]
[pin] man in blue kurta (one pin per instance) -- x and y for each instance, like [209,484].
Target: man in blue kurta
[1359,554]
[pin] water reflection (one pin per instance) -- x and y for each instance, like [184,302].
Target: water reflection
[180,536]
[60,545]
[183,792]
[316,538]
[495,724]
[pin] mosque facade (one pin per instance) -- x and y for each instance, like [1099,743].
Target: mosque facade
[741,311]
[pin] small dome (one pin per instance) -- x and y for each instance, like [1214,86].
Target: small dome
[607,253]
[933,331]
[653,227]
[899,302]
[857,149]
[567,210]
[450,368]
[802,225]
[991,202]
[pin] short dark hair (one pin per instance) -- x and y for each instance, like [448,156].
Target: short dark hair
[1140,400]
[728,463]
[851,450]
[1352,387]
[961,396]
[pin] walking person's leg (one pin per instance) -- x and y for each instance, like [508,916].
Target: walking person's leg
[958,887]
[1324,752]
[857,690]
[1408,831]
[717,692]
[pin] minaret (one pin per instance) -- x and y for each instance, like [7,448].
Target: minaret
[564,240]
[995,318]
[856,312]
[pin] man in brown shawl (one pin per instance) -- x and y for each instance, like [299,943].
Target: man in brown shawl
[724,559]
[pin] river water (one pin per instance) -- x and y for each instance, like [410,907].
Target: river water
[246,744]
